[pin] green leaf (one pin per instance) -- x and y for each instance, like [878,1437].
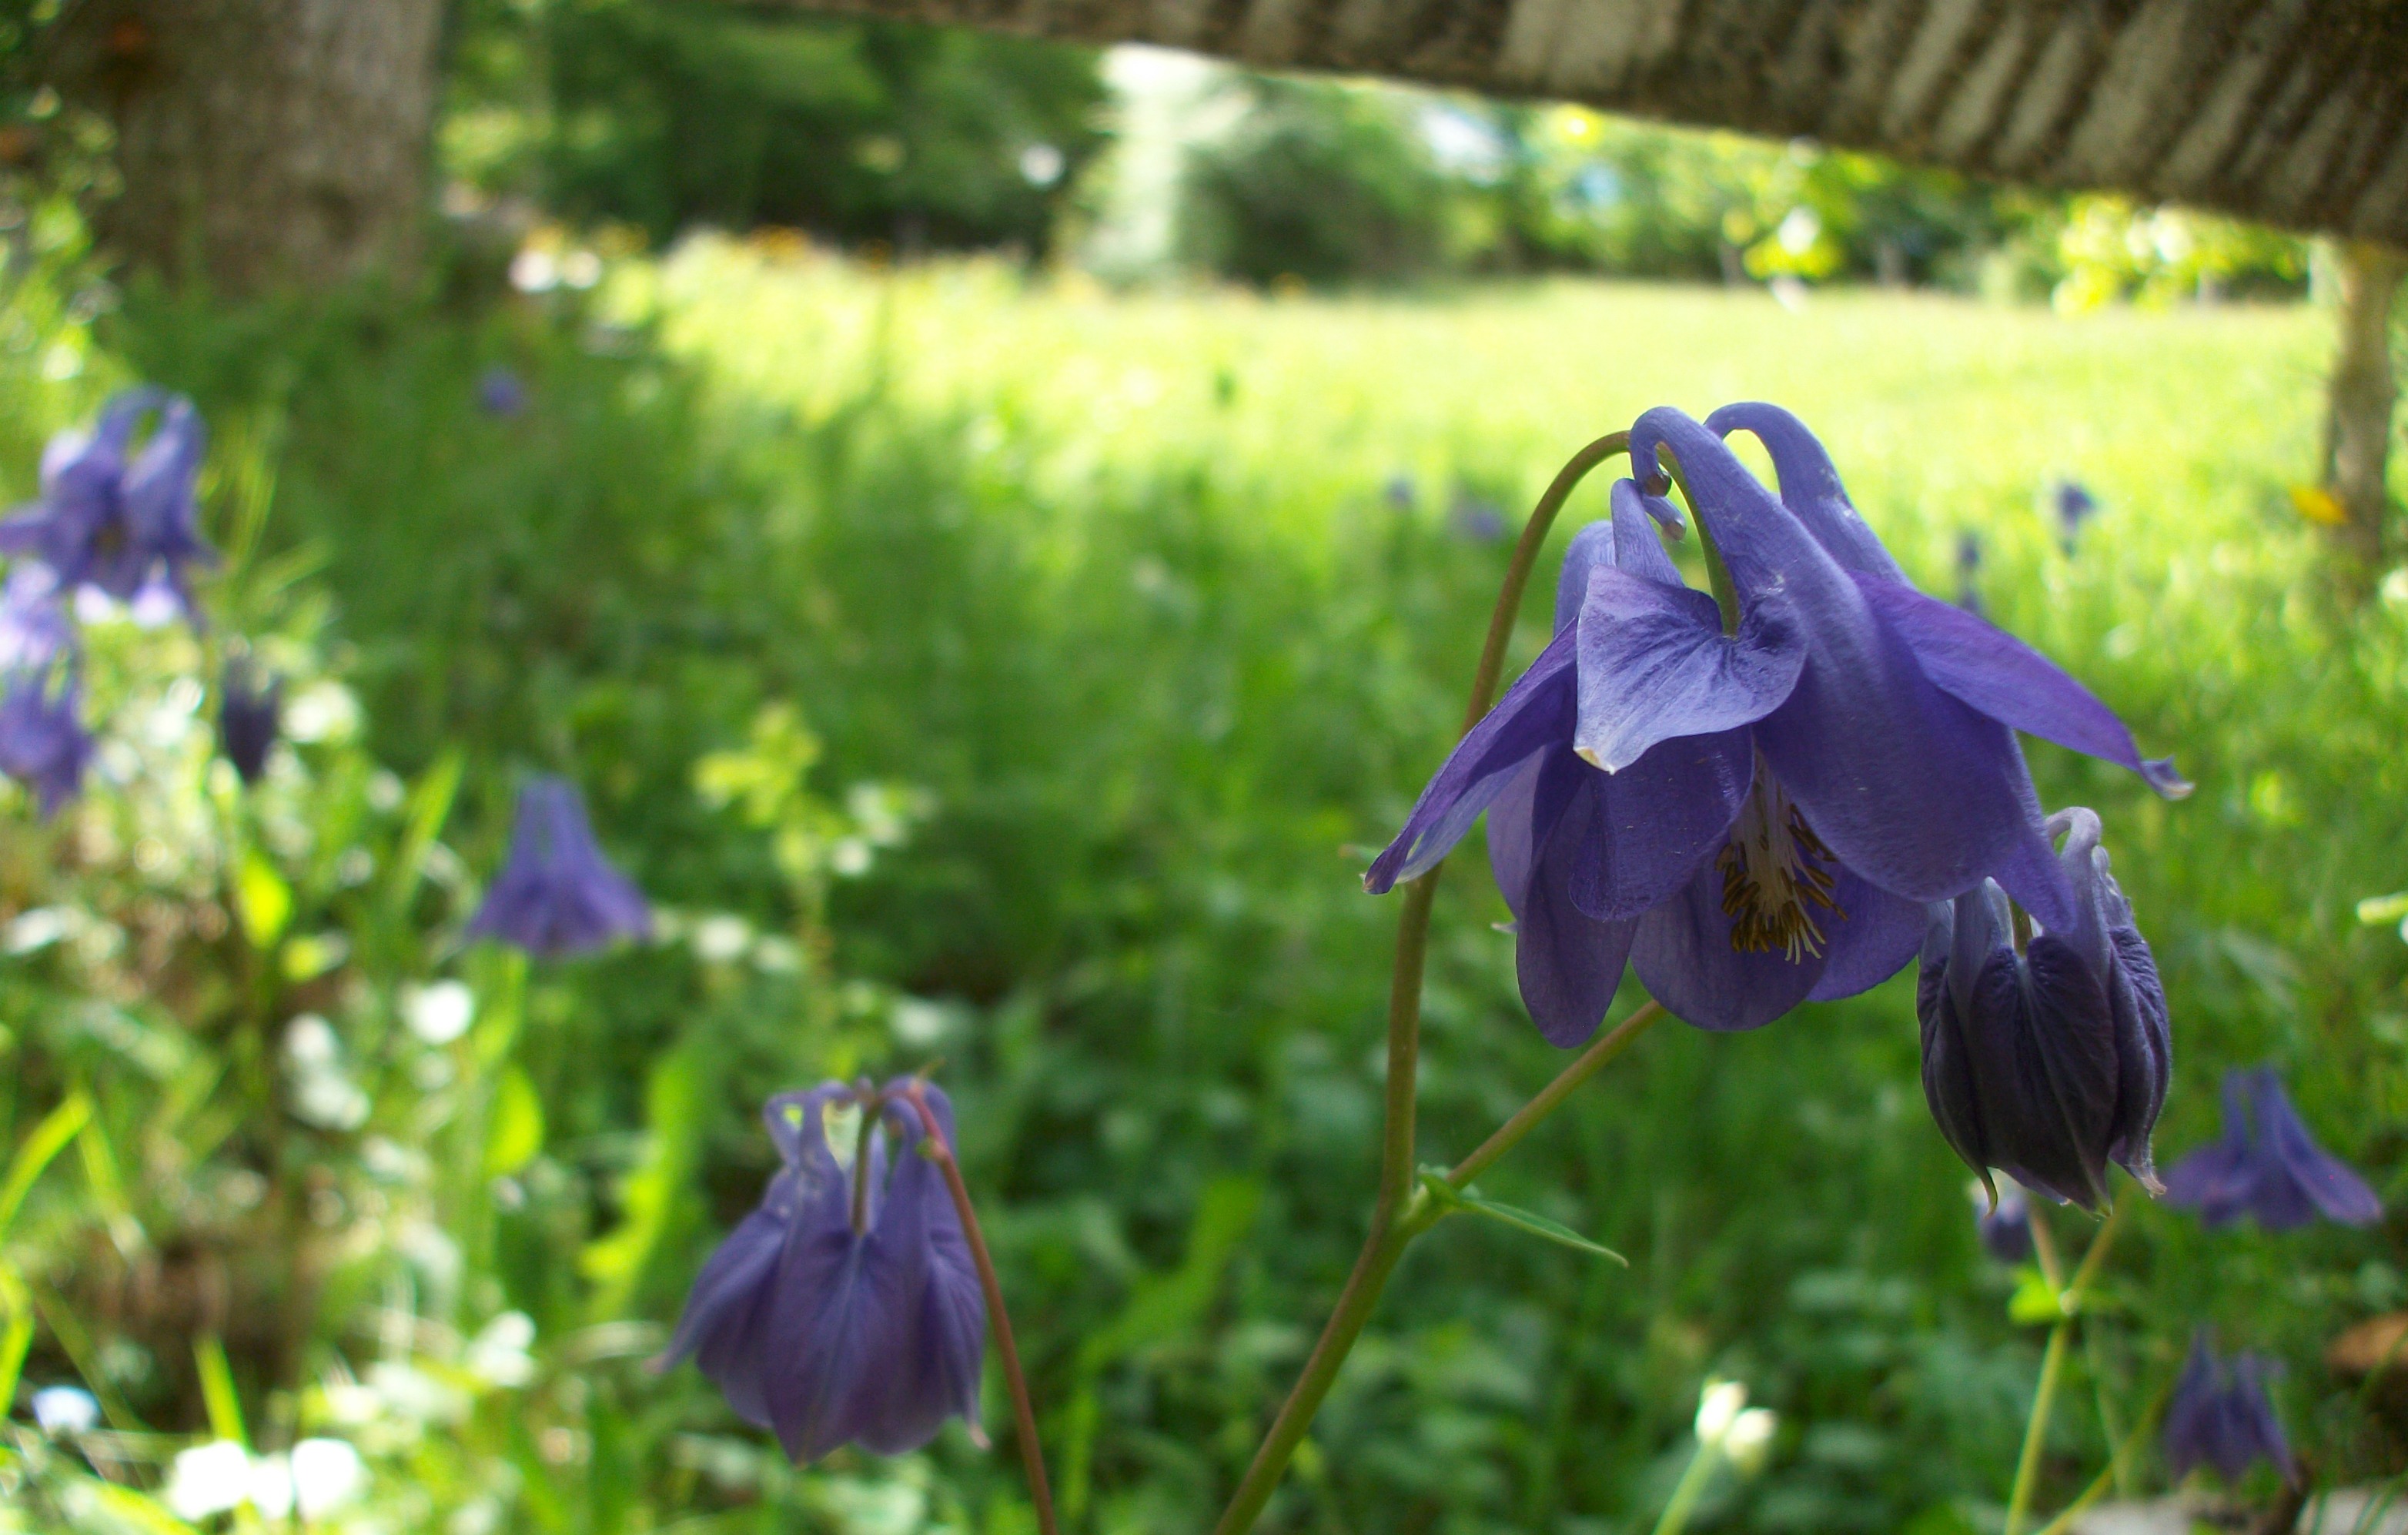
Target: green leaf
[1451,1198]
[218,1395]
[266,901]
[2035,1302]
[50,1138]
[516,1132]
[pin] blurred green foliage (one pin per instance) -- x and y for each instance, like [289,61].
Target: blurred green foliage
[981,667]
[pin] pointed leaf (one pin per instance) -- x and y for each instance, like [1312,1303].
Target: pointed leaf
[1535,1224]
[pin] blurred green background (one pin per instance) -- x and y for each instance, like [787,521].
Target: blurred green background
[989,637]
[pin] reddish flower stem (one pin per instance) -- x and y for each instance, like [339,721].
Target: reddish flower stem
[1032,1455]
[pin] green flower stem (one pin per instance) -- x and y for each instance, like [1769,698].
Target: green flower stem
[1584,1066]
[2052,1364]
[2119,1461]
[1403,1211]
[1691,1487]
[1032,1455]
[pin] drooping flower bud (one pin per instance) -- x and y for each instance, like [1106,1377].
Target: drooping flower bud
[2221,1416]
[556,893]
[2050,1061]
[847,1308]
[247,719]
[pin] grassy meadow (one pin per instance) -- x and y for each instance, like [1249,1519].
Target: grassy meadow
[1028,670]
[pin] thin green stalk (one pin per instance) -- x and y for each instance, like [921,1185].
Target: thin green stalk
[2052,1365]
[1691,1487]
[2119,1458]
[1032,1455]
[1584,1066]
[1403,1211]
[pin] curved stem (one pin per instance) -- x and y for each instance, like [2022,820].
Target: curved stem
[1032,1456]
[2052,1366]
[1401,1212]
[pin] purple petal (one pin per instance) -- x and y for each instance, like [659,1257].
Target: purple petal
[1809,485]
[1567,962]
[1654,665]
[1878,939]
[1534,711]
[1685,958]
[1656,820]
[2325,1181]
[2218,1179]
[1524,814]
[719,1325]
[1976,660]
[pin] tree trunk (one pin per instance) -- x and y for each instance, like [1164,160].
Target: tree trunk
[264,144]
[2357,435]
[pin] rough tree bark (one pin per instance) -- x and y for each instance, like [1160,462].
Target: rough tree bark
[2291,113]
[264,144]
[2357,435]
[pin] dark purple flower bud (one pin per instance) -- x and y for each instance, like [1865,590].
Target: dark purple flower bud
[2052,1061]
[2004,1227]
[2270,1169]
[126,527]
[247,719]
[2222,1416]
[1481,522]
[556,893]
[1969,566]
[2075,506]
[847,1308]
[501,392]
[1754,819]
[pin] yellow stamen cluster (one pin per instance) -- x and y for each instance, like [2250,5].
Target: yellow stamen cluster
[1774,873]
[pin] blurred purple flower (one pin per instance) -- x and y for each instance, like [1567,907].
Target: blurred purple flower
[2267,1166]
[1399,492]
[33,626]
[1752,819]
[557,895]
[1969,566]
[2075,506]
[2222,1416]
[2050,1060]
[127,527]
[846,1309]
[1480,521]
[501,392]
[247,718]
[2004,1228]
[42,744]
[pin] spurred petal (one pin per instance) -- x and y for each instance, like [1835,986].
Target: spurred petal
[1655,666]
[1569,963]
[1974,660]
[1535,711]
[1809,485]
[1908,787]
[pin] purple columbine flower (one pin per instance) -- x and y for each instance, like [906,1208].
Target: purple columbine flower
[2003,1224]
[2270,1169]
[247,718]
[42,743]
[1752,819]
[2075,506]
[556,893]
[2047,1058]
[501,392]
[846,1309]
[126,527]
[2222,1416]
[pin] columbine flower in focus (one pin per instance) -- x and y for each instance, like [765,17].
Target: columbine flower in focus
[2221,1416]
[846,1308]
[556,893]
[126,527]
[1756,818]
[247,717]
[2004,1226]
[2267,1166]
[2050,1058]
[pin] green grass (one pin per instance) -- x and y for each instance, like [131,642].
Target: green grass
[1115,581]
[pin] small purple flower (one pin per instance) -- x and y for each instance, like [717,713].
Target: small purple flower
[1968,568]
[1479,521]
[501,392]
[247,718]
[2004,1227]
[2222,1416]
[2270,1169]
[42,743]
[2075,506]
[2051,1059]
[846,1309]
[127,527]
[1752,819]
[557,895]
